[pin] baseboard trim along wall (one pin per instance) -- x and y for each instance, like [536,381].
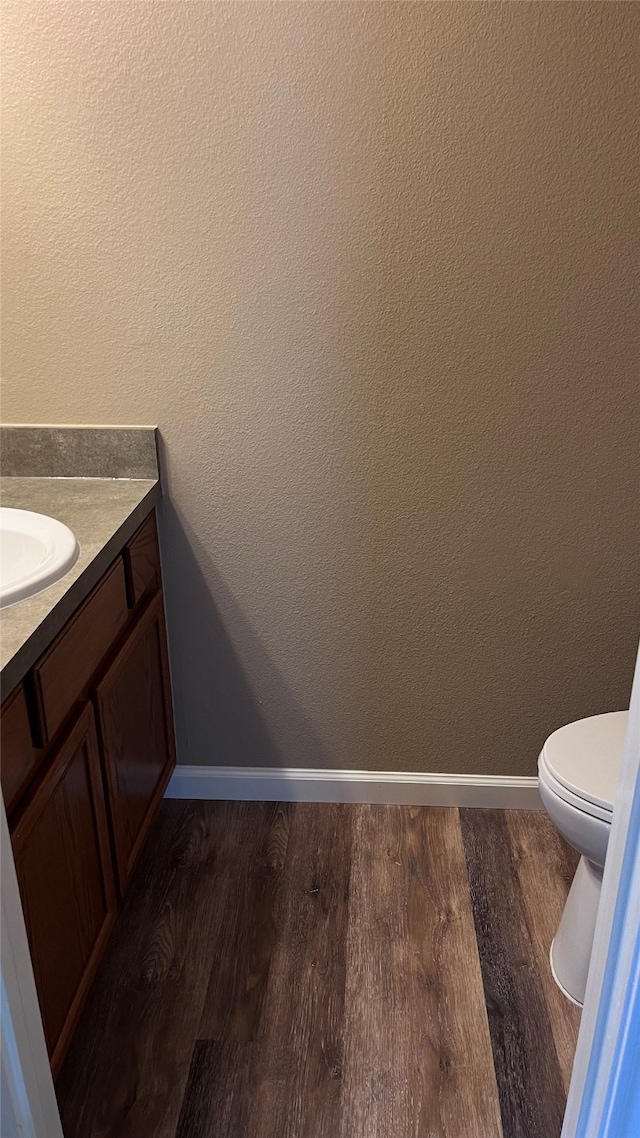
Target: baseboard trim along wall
[282,784]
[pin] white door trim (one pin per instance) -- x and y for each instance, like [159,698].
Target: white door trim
[299,784]
[604,1095]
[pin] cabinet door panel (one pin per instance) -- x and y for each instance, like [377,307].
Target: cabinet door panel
[20,759]
[63,864]
[63,674]
[136,730]
[142,561]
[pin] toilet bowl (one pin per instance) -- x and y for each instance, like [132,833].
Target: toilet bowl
[578,773]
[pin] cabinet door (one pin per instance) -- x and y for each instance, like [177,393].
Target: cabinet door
[63,864]
[135,722]
[20,759]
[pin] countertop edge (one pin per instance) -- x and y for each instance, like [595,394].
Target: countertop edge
[17,667]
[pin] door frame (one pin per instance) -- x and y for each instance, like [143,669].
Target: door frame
[604,1094]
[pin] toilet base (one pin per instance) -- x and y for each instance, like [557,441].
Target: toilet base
[570,953]
[557,982]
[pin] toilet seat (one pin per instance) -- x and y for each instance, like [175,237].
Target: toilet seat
[580,763]
[568,796]
[583,804]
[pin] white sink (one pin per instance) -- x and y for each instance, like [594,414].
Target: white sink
[35,551]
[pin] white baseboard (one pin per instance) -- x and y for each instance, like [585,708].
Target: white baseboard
[281,784]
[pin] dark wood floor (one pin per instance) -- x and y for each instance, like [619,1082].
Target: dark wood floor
[317,971]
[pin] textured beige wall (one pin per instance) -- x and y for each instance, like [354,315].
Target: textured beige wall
[371,268]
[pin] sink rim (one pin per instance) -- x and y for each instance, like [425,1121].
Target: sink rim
[60,552]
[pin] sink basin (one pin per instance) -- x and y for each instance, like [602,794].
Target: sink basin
[35,551]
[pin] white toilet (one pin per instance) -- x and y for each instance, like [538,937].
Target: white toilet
[578,771]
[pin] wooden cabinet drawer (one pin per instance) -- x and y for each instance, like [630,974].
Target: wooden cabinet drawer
[135,723]
[20,759]
[142,561]
[63,865]
[61,676]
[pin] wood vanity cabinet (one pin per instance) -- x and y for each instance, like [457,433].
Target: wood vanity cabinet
[20,758]
[133,703]
[63,865]
[88,749]
[62,676]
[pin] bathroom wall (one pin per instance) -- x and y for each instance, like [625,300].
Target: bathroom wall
[371,268]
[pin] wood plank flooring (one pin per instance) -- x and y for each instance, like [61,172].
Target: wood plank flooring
[322,971]
[417,1054]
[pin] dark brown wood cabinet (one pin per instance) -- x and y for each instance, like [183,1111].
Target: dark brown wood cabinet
[20,758]
[84,767]
[133,703]
[61,677]
[63,864]
[142,562]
